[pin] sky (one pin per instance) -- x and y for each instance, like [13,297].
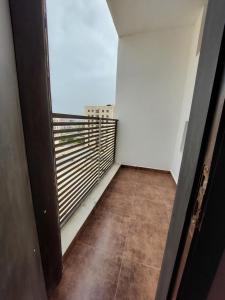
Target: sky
[83,54]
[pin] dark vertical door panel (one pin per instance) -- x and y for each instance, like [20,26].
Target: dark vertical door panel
[31,51]
[217,290]
[214,121]
[192,157]
[209,243]
[21,275]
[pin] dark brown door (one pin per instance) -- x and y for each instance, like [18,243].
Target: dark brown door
[21,275]
[31,53]
[191,167]
[198,210]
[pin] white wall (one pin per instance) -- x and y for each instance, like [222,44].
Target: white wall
[151,78]
[188,94]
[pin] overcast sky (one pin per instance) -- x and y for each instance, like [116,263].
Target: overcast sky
[83,54]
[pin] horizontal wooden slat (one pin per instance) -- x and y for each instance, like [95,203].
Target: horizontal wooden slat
[78,117]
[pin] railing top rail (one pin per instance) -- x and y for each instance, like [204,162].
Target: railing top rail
[68,116]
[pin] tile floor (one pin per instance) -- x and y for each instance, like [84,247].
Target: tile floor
[118,252]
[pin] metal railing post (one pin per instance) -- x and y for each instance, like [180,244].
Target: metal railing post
[99,148]
[115,136]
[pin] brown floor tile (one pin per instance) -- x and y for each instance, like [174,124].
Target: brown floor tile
[156,193]
[127,174]
[105,230]
[89,273]
[120,247]
[136,282]
[156,178]
[116,203]
[155,213]
[146,241]
[123,187]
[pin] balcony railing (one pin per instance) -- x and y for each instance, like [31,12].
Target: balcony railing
[84,151]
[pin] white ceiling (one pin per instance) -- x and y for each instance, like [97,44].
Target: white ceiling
[133,16]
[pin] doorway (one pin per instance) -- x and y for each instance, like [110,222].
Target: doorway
[206,197]
[204,101]
[28,85]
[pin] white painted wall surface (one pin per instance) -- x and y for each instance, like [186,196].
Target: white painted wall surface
[151,78]
[188,94]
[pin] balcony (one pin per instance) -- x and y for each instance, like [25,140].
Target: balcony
[113,240]
[118,252]
[119,248]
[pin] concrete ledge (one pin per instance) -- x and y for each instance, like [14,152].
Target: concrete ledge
[71,228]
[175,178]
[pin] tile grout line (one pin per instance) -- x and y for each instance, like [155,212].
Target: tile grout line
[118,277]
[122,258]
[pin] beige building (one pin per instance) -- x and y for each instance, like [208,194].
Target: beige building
[102,111]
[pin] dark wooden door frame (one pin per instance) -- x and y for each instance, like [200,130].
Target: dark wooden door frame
[214,137]
[31,52]
[30,41]
[195,142]
[208,244]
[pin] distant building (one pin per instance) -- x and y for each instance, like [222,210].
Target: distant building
[101,111]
